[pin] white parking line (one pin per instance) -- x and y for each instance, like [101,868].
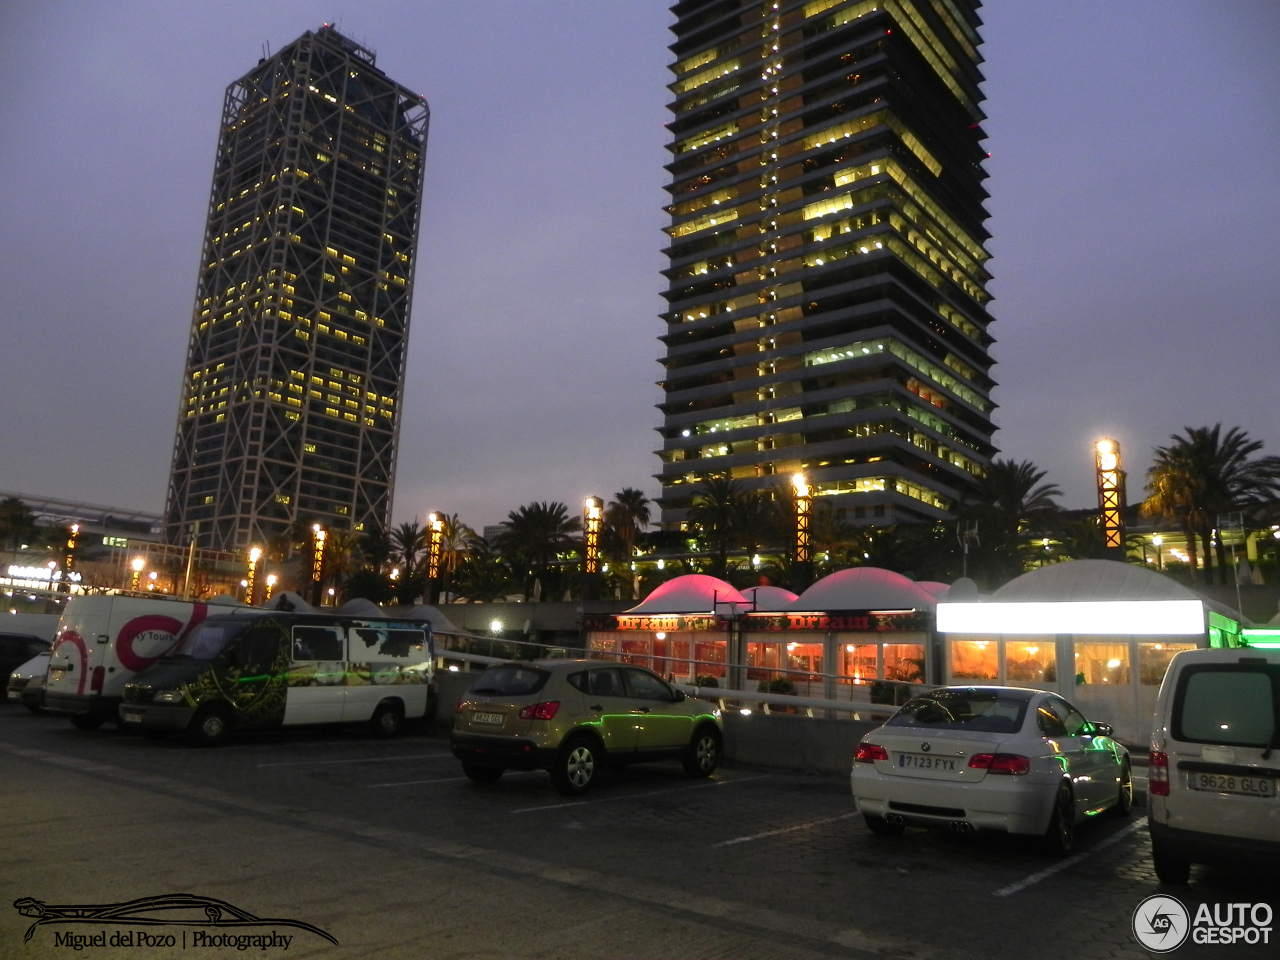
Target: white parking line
[637,796]
[411,783]
[774,833]
[1070,861]
[308,763]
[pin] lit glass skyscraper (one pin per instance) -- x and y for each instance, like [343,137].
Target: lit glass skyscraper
[291,402]
[828,303]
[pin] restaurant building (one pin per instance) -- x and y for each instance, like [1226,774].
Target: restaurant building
[1099,632]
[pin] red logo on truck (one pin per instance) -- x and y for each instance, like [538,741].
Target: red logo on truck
[158,632]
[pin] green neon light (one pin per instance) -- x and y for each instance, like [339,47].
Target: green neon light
[1262,638]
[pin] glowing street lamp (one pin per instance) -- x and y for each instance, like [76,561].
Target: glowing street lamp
[137,564]
[271,585]
[592,520]
[152,576]
[1111,494]
[804,507]
[435,544]
[71,548]
[254,555]
[317,561]
[1155,542]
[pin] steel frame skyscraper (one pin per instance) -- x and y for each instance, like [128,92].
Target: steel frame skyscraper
[291,402]
[827,296]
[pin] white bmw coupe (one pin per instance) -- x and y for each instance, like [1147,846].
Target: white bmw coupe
[990,758]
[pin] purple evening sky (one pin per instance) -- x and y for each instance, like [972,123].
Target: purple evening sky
[1134,210]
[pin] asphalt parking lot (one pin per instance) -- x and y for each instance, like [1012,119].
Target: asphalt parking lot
[387,848]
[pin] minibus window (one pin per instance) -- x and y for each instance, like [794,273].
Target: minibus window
[207,640]
[316,643]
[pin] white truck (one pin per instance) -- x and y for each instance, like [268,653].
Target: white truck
[103,642]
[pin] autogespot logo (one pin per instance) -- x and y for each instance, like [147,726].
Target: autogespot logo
[1161,923]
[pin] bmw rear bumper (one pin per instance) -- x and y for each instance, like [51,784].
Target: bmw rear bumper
[931,803]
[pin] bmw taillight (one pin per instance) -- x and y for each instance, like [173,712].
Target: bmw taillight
[1158,774]
[540,711]
[870,753]
[1008,763]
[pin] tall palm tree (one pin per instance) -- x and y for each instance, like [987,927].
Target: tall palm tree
[482,576]
[456,538]
[375,547]
[714,514]
[408,541]
[17,524]
[1203,475]
[1011,505]
[533,539]
[627,515]
[341,555]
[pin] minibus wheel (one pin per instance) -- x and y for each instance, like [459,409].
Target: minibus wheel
[211,726]
[387,721]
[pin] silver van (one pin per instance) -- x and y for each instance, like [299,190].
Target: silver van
[1215,762]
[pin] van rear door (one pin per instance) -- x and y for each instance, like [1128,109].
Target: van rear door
[315,677]
[1223,745]
[386,661]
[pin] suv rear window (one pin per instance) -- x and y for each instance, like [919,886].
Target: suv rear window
[1227,704]
[511,681]
[983,710]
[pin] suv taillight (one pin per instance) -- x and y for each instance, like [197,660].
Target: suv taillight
[1158,774]
[540,711]
[459,707]
[870,753]
[1010,763]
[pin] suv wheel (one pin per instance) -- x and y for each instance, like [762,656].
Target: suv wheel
[576,766]
[703,754]
[210,727]
[1060,838]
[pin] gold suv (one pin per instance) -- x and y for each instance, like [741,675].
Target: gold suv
[571,717]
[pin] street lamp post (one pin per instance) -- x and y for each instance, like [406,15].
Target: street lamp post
[137,564]
[250,581]
[592,521]
[435,542]
[271,585]
[1111,495]
[804,507]
[1155,542]
[317,563]
[71,552]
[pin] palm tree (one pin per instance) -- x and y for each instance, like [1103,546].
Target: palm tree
[533,539]
[375,547]
[456,539]
[1203,475]
[482,576]
[1011,506]
[407,543]
[17,525]
[341,555]
[627,515]
[714,513]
